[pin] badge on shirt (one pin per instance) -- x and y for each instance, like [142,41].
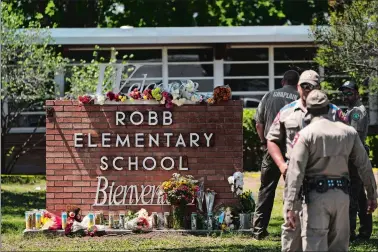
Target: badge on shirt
[356,116]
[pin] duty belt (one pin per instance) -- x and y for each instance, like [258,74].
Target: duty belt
[323,184]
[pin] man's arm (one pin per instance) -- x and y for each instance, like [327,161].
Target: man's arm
[361,160]
[275,136]
[296,171]
[260,120]
[276,154]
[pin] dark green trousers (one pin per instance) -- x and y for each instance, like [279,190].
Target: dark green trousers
[358,206]
[270,175]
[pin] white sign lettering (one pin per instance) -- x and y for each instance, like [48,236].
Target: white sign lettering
[126,195]
[111,194]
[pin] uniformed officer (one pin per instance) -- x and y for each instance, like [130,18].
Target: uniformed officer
[289,121]
[358,118]
[319,161]
[267,110]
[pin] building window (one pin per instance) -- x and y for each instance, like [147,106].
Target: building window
[196,64]
[249,101]
[247,69]
[26,118]
[293,58]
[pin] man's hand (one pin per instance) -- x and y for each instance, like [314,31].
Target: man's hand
[290,218]
[283,168]
[372,205]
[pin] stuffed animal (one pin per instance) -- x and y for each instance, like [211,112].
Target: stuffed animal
[228,218]
[236,182]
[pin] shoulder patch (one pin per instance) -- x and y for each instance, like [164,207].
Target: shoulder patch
[334,107]
[356,116]
[290,105]
[341,116]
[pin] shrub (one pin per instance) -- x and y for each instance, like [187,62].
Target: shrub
[21,179]
[252,154]
[372,141]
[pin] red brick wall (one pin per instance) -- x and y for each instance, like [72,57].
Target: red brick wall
[72,172]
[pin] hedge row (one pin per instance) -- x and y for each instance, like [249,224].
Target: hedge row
[253,155]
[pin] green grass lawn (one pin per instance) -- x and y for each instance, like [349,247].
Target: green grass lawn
[16,199]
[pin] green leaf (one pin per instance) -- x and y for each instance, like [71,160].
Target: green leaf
[39,16]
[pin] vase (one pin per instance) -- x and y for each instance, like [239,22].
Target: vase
[245,221]
[178,216]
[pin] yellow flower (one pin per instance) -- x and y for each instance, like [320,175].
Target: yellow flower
[131,99]
[145,97]
[123,99]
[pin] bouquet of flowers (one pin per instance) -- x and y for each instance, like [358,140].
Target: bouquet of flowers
[222,93]
[247,202]
[86,99]
[179,191]
[135,94]
[147,94]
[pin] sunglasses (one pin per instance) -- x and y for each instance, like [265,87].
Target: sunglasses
[307,86]
[348,93]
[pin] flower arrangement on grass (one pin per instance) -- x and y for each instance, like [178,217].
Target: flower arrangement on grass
[179,191]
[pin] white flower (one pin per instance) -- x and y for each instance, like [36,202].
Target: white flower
[100,99]
[195,98]
[179,102]
[142,213]
[162,101]
[175,93]
[189,86]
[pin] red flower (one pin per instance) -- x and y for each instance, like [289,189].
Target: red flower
[85,99]
[116,97]
[110,95]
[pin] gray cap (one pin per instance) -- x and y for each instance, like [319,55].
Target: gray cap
[309,76]
[316,99]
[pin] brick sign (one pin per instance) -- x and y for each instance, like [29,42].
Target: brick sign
[114,157]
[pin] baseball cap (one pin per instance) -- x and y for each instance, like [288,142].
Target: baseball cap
[316,99]
[349,85]
[309,76]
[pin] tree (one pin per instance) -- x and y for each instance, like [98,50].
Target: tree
[28,68]
[348,41]
[159,13]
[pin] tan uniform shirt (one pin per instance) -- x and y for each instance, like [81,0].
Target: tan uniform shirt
[323,148]
[358,118]
[290,120]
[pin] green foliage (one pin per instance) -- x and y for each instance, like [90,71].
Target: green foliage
[84,78]
[252,153]
[181,13]
[348,42]
[22,179]
[372,142]
[28,67]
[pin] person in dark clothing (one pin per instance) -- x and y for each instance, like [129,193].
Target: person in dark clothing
[358,118]
[267,110]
